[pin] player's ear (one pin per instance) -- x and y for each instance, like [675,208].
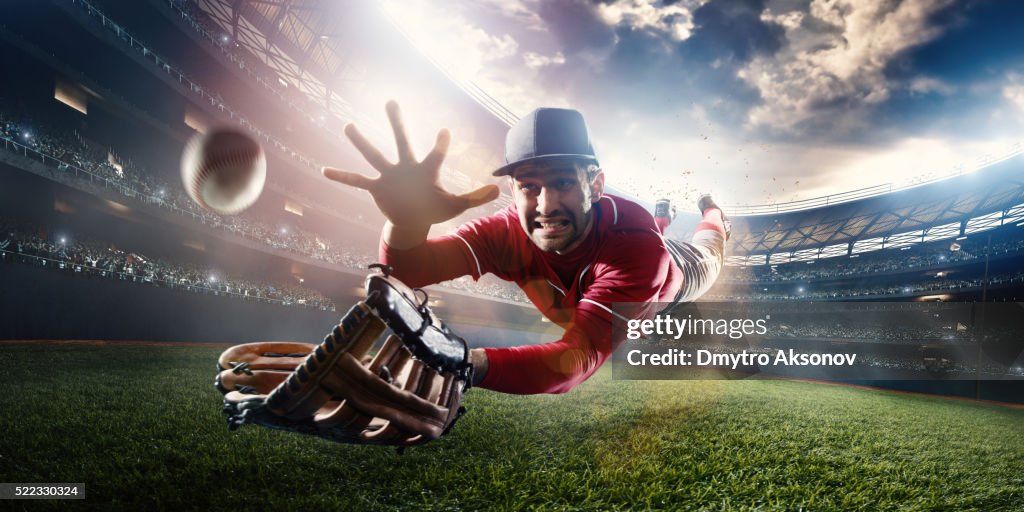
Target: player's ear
[597,186]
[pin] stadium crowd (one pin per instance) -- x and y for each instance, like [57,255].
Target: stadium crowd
[935,286]
[933,254]
[97,168]
[881,332]
[94,167]
[21,243]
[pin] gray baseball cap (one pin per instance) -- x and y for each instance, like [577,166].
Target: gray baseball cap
[547,134]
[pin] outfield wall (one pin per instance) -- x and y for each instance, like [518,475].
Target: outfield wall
[44,303]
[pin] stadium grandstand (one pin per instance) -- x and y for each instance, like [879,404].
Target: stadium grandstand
[92,125]
[958,238]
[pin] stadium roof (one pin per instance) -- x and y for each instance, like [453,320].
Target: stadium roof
[949,208]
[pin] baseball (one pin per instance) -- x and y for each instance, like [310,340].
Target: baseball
[224,170]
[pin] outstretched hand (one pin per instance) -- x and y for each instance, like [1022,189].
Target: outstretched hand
[409,192]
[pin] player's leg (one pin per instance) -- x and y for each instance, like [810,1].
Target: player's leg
[702,258]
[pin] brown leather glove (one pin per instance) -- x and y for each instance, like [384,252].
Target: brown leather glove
[408,392]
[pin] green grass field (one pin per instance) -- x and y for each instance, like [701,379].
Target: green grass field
[142,427]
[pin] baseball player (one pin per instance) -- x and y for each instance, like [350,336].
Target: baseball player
[573,249]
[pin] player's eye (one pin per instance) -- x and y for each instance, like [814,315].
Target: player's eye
[529,188]
[563,185]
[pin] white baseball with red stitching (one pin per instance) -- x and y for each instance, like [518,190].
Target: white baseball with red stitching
[224,170]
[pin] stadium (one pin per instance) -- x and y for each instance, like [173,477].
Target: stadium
[119,292]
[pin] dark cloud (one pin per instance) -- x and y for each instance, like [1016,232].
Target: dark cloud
[971,59]
[732,31]
[576,25]
[648,70]
[983,37]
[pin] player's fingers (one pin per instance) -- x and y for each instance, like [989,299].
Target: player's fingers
[398,127]
[369,152]
[436,156]
[482,195]
[348,178]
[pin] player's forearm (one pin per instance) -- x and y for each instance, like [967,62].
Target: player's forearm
[427,262]
[404,237]
[555,367]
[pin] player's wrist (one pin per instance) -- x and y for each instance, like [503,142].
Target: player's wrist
[478,358]
[404,237]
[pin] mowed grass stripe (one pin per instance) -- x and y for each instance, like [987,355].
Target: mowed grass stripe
[142,427]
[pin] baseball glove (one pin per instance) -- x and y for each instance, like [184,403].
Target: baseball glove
[350,388]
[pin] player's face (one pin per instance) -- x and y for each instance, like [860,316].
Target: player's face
[555,204]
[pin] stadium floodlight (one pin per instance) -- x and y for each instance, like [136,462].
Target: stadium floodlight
[800,289]
[63,240]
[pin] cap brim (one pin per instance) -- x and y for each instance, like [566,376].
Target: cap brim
[507,170]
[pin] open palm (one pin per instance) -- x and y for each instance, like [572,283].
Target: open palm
[409,192]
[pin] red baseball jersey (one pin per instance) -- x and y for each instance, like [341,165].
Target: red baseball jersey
[622,260]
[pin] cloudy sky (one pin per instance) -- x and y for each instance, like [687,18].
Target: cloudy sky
[756,101]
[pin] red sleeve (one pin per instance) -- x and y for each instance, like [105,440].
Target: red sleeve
[434,261]
[554,367]
[628,280]
[468,251]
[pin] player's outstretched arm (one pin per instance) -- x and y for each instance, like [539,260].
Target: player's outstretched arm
[408,192]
